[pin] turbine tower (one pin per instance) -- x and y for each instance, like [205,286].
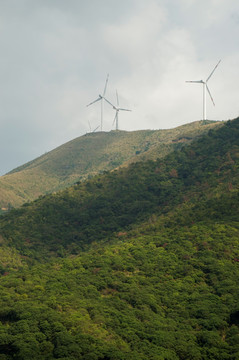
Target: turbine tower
[117,109]
[101,98]
[205,87]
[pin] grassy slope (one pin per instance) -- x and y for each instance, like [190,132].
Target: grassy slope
[163,289]
[90,155]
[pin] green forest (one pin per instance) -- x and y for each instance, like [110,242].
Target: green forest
[137,263]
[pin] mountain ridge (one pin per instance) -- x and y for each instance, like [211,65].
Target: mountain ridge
[89,155]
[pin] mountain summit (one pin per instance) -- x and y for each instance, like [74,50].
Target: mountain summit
[89,155]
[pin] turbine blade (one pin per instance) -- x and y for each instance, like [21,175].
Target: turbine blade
[115,118]
[195,81]
[98,99]
[117,98]
[96,128]
[210,95]
[109,103]
[213,70]
[106,85]
[124,109]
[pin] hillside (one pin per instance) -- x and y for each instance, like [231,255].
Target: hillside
[139,263]
[114,200]
[89,155]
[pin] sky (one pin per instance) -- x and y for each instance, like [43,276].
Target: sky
[55,56]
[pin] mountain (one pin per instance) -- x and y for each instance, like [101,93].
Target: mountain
[89,155]
[137,263]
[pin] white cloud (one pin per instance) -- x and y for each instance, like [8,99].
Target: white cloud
[135,38]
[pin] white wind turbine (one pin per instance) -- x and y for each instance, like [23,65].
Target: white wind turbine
[117,109]
[205,87]
[101,98]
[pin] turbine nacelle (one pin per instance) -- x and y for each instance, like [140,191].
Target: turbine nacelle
[98,99]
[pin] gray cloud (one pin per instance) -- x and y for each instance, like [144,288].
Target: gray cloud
[55,56]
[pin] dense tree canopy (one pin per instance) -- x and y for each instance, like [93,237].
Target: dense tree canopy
[139,263]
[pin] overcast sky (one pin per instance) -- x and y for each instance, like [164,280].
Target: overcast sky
[56,54]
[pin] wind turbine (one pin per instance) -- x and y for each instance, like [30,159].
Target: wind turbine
[117,109]
[205,87]
[101,98]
